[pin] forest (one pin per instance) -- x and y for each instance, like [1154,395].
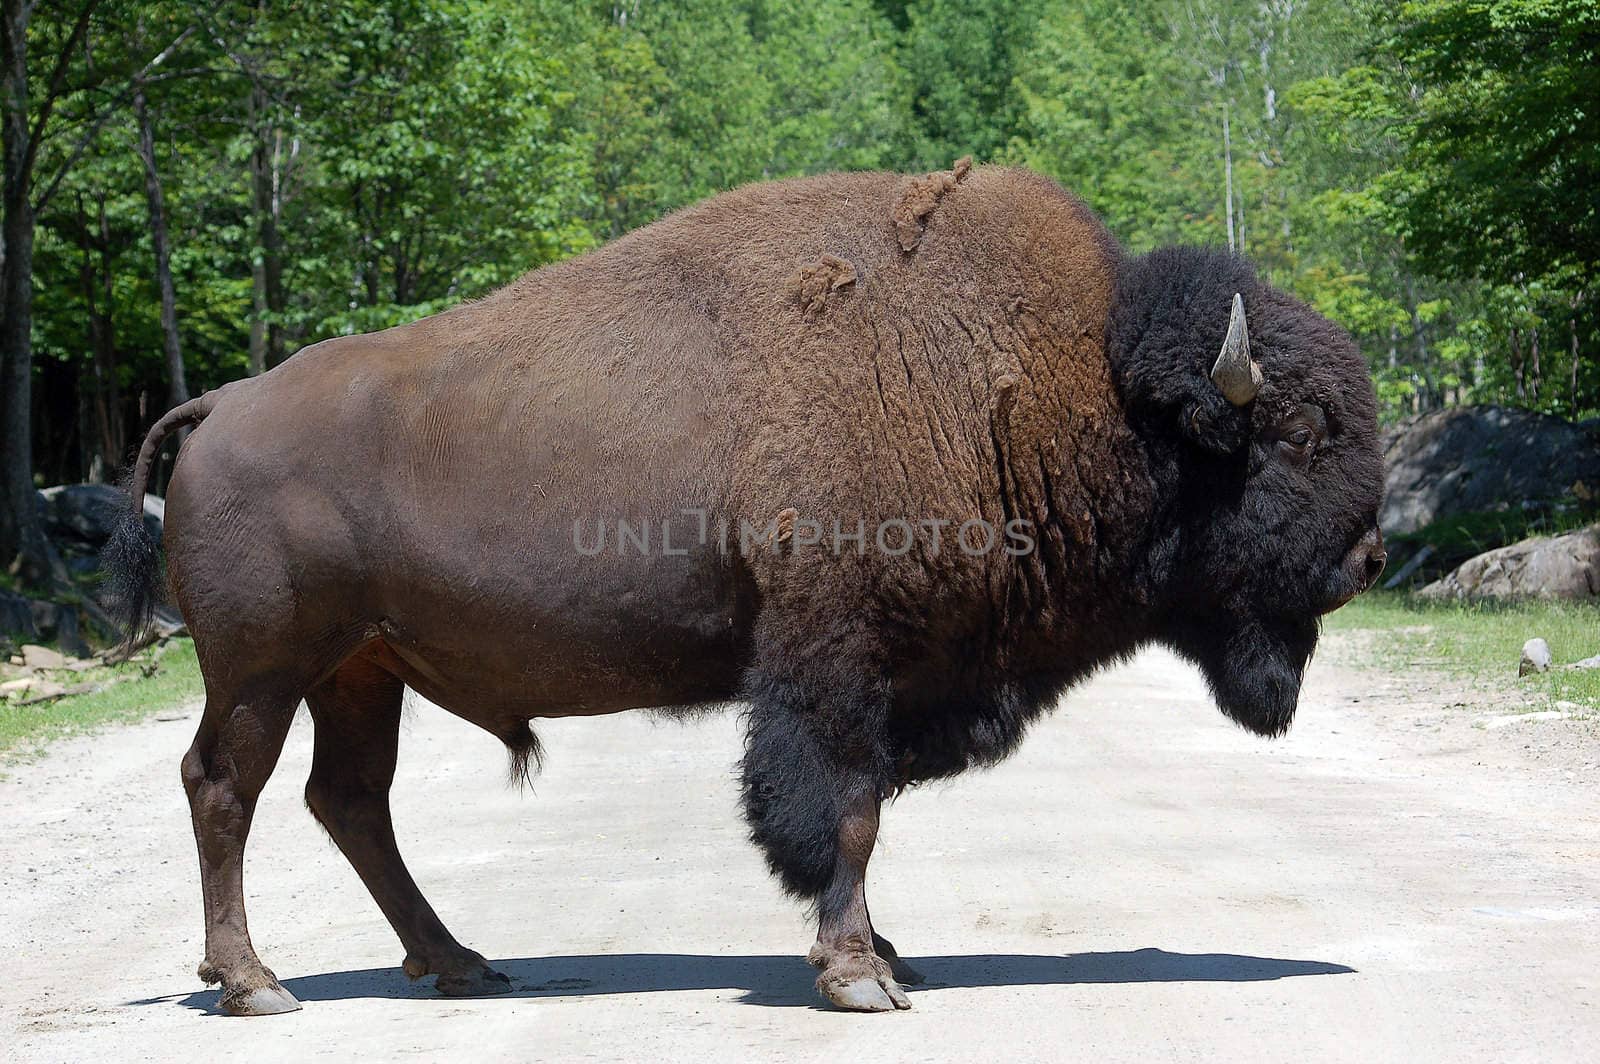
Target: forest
[193,189]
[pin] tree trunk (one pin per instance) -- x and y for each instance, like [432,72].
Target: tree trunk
[1516,364]
[266,273]
[100,420]
[1572,324]
[177,387]
[1534,373]
[25,551]
[1227,173]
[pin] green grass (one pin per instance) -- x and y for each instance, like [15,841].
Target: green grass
[175,679]
[1481,641]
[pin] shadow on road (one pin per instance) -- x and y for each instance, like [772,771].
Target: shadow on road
[787,981]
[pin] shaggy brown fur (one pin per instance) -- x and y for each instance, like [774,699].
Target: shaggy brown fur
[809,357]
[920,199]
[814,282]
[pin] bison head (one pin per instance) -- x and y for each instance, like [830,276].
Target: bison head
[1261,423]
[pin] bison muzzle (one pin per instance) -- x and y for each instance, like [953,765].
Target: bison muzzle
[893,461]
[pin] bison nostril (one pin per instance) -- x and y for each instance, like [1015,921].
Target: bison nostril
[1375,563]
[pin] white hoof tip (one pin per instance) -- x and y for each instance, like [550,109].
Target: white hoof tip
[867,995]
[262,1001]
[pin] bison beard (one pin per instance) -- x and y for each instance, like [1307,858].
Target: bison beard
[397,510]
[1253,668]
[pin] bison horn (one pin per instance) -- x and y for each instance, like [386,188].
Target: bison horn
[1236,373]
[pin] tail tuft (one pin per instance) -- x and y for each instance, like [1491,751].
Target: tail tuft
[131,562]
[131,559]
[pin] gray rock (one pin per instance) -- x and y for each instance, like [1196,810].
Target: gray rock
[37,620]
[37,657]
[82,515]
[1586,663]
[1547,567]
[1535,657]
[16,617]
[1479,458]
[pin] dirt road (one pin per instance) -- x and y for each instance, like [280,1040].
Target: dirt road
[1396,880]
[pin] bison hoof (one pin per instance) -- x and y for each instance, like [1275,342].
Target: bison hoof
[463,974]
[866,995]
[479,982]
[258,1001]
[862,984]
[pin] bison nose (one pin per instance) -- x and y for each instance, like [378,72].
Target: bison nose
[1368,558]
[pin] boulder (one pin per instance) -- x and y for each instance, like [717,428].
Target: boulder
[31,620]
[58,622]
[1480,458]
[82,515]
[79,519]
[37,657]
[1549,567]
[16,616]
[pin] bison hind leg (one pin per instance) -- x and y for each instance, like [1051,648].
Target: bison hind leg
[357,715]
[235,749]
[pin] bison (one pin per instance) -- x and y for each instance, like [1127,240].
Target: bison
[893,461]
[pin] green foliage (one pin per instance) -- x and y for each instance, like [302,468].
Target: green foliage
[963,61]
[449,164]
[1123,123]
[1505,140]
[1422,173]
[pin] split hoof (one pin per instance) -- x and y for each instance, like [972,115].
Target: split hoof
[860,982]
[481,982]
[267,1000]
[865,994]
[466,974]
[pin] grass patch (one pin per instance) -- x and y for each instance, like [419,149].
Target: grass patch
[175,678]
[1481,641]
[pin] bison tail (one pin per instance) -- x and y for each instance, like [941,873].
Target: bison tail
[131,558]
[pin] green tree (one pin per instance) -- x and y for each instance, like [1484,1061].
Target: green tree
[963,60]
[441,160]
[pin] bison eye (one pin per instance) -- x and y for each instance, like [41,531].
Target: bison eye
[1296,437]
[1297,445]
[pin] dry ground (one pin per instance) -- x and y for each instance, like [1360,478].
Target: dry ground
[1402,878]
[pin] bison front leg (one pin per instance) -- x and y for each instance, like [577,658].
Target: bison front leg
[814,775]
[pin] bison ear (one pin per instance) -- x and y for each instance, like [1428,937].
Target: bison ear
[1235,373]
[1214,424]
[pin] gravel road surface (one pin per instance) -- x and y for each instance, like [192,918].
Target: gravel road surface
[1399,879]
